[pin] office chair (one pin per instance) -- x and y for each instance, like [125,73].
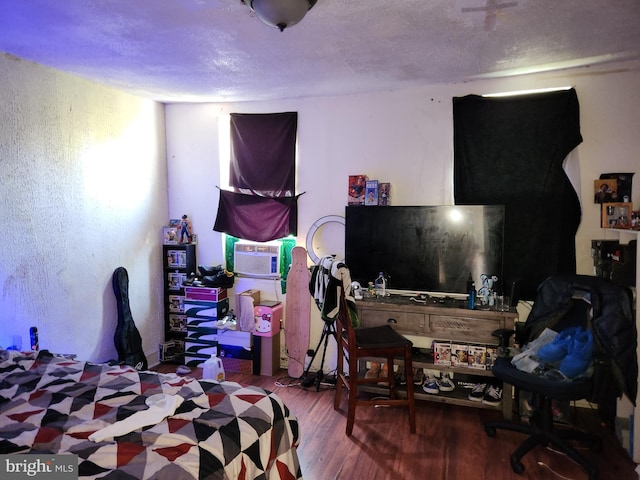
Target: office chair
[357,343]
[564,301]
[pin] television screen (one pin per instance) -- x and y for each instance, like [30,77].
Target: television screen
[425,248]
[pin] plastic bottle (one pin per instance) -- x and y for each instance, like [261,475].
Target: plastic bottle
[471,289]
[381,285]
[213,369]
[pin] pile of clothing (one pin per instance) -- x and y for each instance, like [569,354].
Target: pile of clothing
[330,279]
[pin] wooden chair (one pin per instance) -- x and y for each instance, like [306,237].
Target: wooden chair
[381,342]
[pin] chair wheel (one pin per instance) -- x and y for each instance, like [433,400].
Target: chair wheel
[516,465]
[490,431]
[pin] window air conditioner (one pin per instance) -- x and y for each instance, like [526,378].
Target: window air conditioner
[256,259]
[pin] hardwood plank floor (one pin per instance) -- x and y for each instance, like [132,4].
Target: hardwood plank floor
[450,442]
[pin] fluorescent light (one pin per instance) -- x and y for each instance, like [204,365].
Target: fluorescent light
[527,92]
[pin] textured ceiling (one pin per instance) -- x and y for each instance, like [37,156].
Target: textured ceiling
[217,50]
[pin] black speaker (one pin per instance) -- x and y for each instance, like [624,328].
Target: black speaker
[514,294]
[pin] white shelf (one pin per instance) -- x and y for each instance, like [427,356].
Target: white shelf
[625,409]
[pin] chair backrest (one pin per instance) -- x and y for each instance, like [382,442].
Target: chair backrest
[612,322]
[345,329]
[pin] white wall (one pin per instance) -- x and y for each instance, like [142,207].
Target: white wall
[403,137]
[84,191]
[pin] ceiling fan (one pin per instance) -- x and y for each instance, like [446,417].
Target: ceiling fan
[280,13]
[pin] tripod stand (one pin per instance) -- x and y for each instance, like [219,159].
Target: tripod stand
[329,329]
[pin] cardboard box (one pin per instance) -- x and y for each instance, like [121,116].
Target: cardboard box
[191,348]
[357,187]
[245,303]
[202,335]
[442,353]
[209,294]
[384,193]
[171,350]
[371,192]
[477,357]
[177,323]
[204,313]
[235,338]
[195,360]
[253,293]
[239,359]
[459,353]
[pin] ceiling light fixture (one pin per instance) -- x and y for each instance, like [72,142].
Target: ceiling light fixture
[280,13]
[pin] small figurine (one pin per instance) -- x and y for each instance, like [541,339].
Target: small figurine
[185,229]
[486,292]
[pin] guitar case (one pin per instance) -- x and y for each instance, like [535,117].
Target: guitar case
[127,338]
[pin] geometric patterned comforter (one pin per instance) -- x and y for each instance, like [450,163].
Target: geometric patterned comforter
[50,404]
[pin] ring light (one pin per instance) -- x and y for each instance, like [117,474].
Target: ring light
[314,228]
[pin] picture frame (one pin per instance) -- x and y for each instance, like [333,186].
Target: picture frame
[616,215]
[170,235]
[605,190]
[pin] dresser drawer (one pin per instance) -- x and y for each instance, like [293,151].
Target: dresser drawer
[408,323]
[463,329]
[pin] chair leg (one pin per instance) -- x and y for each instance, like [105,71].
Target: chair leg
[339,378]
[543,434]
[408,372]
[352,394]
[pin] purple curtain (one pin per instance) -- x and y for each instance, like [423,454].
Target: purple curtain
[263,153]
[263,205]
[259,219]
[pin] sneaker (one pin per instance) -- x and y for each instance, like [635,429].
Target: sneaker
[558,348]
[492,396]
[430,385]
[445,384]
[477,393]
[579,356]
[418,376]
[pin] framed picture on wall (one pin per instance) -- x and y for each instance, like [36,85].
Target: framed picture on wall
[605,190]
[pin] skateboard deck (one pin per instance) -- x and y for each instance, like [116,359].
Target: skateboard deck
[298,312]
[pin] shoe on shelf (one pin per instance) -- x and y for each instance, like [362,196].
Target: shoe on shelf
[477,393]
[374,371]
[418,376]
[384,376]
[445,383]
[492,396]
[558,348]
[430,385]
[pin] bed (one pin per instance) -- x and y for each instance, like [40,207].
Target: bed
[52,404]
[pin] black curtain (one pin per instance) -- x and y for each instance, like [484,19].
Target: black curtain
[263,204]
[510,151]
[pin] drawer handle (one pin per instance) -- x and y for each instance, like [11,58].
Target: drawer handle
[392,320]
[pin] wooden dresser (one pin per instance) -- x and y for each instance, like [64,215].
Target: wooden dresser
[443,320]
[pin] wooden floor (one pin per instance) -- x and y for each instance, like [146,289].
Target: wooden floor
[450,442]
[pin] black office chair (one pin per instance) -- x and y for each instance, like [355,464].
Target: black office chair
[564,301]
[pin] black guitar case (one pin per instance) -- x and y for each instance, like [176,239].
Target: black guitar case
[127,338]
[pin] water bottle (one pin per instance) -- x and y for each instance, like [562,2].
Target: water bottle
[472,296]
[381,285]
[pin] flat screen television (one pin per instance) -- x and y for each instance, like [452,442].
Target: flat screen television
[424,248]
